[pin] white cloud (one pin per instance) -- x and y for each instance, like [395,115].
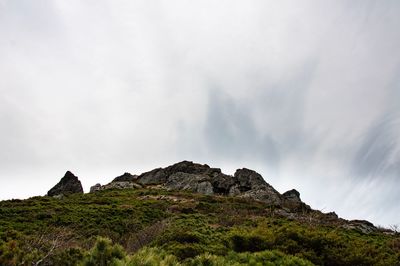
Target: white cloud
[292,89]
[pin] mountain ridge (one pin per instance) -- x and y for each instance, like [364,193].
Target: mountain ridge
[184,214]
[203,179]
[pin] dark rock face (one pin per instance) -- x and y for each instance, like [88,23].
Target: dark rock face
[292,195]
[95,188]
[126,177]
[248,179]
[203,179]
[291,199]
[250,184]
[69,184]
[154,177]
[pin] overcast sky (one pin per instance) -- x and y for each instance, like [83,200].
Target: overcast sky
[305,92]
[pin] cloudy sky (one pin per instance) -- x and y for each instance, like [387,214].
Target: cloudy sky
[305,92]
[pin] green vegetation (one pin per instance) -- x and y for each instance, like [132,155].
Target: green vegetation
[158,227]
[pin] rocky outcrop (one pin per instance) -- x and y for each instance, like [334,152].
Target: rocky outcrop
[292,195]
[361,226]
[291,200]
[154,177]
[69,184]
[95,188]
[250,184]
[191,182]
[201,178]
[245,183]
[126,177]
[120,182]
[115,185]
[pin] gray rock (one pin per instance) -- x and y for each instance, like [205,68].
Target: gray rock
[252,185]
[222,183]
[292,195]
[248,179]
[126,177]
[234,190]
[203,179]
[69,184]
[192,168]
[205,188]
[154,177]
[361,226]
[264,194]
[95,188]
[192,182]
[115,185]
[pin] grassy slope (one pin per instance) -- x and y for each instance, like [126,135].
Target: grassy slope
[179,227]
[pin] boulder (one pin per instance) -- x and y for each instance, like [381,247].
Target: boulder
[222,183]
[154,177]
[192,182]
[252,185]
[95,188]
[264,194]
[292,195]
[115,185]
[292,201]
[248,179]
[126,177]
[362,226]
[192,168]
[69,184]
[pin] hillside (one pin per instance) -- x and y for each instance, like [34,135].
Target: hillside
[185,214]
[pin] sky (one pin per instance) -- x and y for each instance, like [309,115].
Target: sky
[307,93]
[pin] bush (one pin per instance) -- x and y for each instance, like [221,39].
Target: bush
[152,257]
[241,259]
[104,253]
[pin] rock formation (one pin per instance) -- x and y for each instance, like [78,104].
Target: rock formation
[203,179]
[126,177]
[120,182]
[69,184]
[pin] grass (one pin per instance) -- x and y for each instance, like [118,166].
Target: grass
[159,227]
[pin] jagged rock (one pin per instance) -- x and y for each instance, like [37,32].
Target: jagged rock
[115,184]
[121,185]
[192,168]
[248,179]
[202,178]
[154,177]
[252,185]
[192,182]
[126,177]
[95,188]
[332,215]
[361,225]
[69,184]
[265,194]
[293,195]
[160,175]
[222,183]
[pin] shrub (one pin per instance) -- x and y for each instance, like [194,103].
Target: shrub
[152,257]
[104,253]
